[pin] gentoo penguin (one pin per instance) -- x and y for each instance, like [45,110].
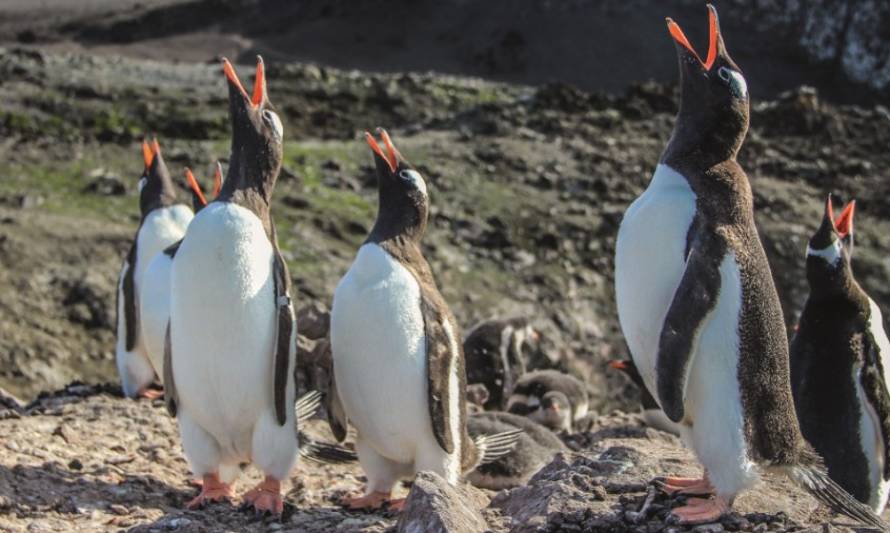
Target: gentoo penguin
[840,357]
[163,222]
[651,413]
[550,397]
[697,303]
[398,363]
[231,343]
[535,449]
[154,306]
[495,358]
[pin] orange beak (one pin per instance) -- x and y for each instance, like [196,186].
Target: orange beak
[680,37]
[843,224]
[390,158]
[193,183]
[259,84]
[148,155]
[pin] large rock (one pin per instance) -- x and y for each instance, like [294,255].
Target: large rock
[434,506]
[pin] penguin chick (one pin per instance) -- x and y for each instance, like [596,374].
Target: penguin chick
[398,362]
[698,306]
[154,306]
[550,397]
[163,222]
[230,352]
[840,358]
[651,413]
[495,351]
[535,448]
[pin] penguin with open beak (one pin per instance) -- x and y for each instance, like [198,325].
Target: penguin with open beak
[230,348]
[163,222]
[840,359]
[698,306]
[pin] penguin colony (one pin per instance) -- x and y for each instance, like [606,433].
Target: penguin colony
[205,306]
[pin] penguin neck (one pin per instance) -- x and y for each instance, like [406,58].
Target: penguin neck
[399,218]
[158,191]
[250,189]
[701,140]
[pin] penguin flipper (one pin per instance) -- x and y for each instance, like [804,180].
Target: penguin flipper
[170,396]
[283,346]
[128,287]
[875,388]
[693,300]
[336,414]
[444,354]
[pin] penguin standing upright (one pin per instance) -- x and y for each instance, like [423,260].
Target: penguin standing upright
[231,343]
[697,303]
[839,367]
[398,363]
[154,305]
[163,222]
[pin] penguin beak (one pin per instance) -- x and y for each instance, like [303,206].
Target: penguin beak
[148,155]
[618,365]
[193,184]
[685,49]
[217,179]
[260,96]
[843,224]
[390,158]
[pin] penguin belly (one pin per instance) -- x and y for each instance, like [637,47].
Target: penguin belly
[379,349]
[223,333]
[650,258]
[154,310]
[161,228]
[870,436]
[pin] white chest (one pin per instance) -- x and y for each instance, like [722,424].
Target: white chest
[161,228]
[869,425]
[649,262]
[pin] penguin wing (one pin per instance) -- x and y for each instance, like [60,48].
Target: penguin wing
[875,388]
[336,414]
[444,355]
[128,287]
[283,346]
[170,396]
[693,300]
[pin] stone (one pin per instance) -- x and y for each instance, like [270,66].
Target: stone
[434,506]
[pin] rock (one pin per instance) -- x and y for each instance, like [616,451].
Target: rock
[434,506]
[105,184]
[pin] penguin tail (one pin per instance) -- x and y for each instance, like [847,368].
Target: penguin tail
[811,475]
[493,447]
[307,405]
[325,453]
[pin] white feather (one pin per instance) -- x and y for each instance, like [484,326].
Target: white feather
[831,253]
[869,426]
[154,310]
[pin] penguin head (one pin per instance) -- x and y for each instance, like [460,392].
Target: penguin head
[403,197]
[714,105]
[555,411]
[155,185]
[831,248]
[199,201]
[257,134]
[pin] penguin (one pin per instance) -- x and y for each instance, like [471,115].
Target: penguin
[398,362]
[651,413]
[840,358]
[230,349]
[494,351]
[535,449]
[163,222]
[154,306]
[698,307]
[550,397]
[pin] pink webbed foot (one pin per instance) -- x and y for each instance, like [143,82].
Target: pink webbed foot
[372,500]
[266,497]
[684,485]
[212,490]
[701,511]
[152,394]
[397,505]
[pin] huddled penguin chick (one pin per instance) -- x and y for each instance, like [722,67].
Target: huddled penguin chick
[839,367]
[650,411]
[399,373]
[154,306]
[163,222]
[550,397]
[230,353]
[697,303]
[535,449]
[495,356]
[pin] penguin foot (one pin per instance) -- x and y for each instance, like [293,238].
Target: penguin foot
[700,511]
[152,394]
[372,500]
[265,497]
[688,486]
[212,490]
[397,505]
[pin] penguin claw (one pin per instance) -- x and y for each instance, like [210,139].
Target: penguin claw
[265,498]
[372,500]
[152,394]
[212,490]
[692,487]
[700,511]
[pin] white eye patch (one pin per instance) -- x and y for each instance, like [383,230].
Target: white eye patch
[414,177]
[141,185]
[735,80]
[275,123]
[831,253]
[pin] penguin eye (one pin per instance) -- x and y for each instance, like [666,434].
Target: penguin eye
[271,118]
[413,177]
[735,80]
